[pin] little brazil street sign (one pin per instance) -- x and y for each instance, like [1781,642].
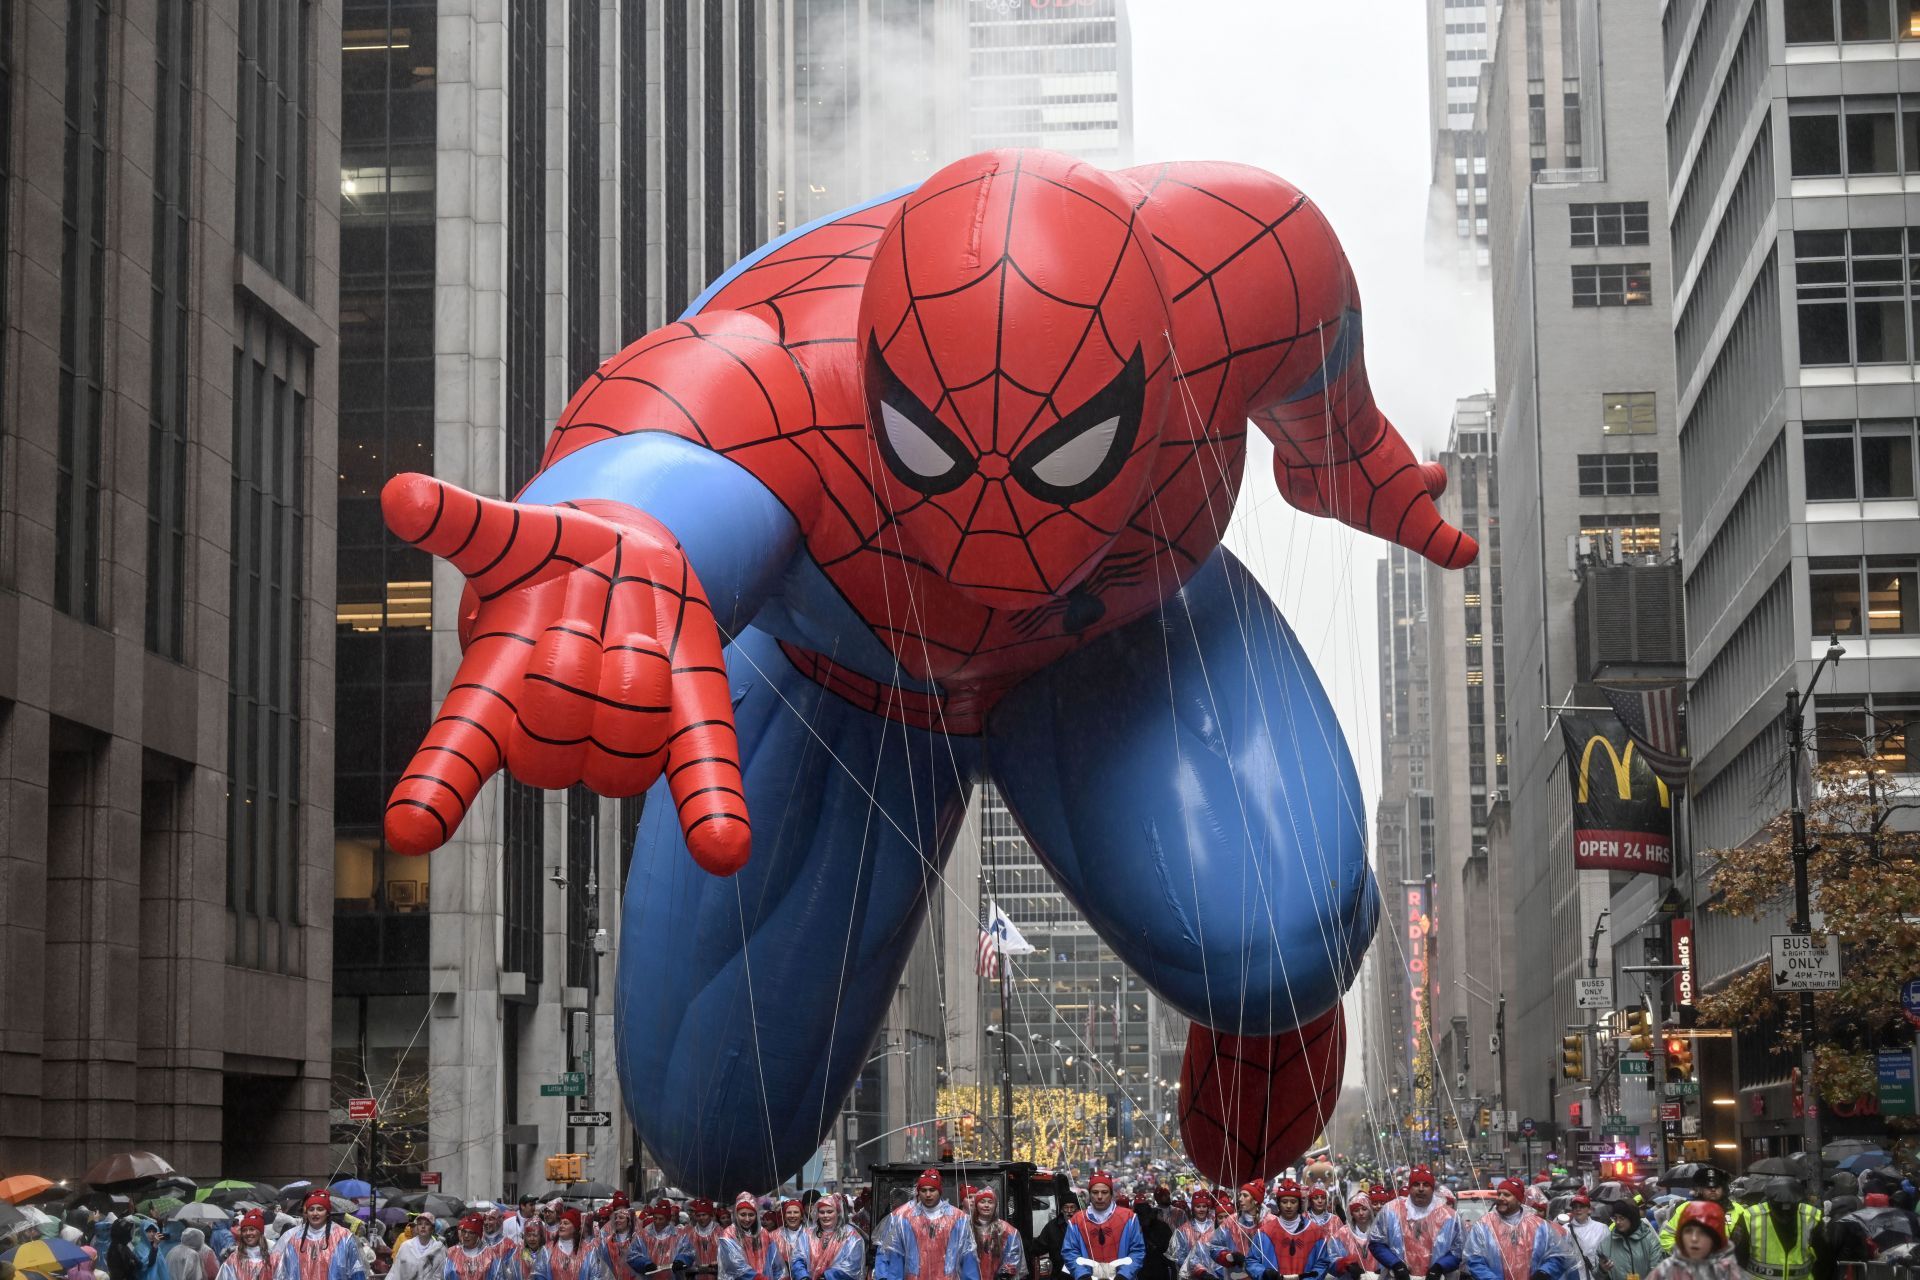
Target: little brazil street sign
[1799,964]
[573,1084]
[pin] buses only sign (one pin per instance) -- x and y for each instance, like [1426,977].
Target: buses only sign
[1801,964]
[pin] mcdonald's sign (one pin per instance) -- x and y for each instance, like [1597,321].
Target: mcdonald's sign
[1623,815]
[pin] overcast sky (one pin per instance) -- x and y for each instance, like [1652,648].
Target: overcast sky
[1332,96]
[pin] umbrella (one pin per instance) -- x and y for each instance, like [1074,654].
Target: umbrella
[49,1256]
[1681,1175]
[1866,1160]
[160,1207]
[434,1203]
[1841,1148]
[290,1188]
[11,1220]
[233,1190]
[352,1189]
[23,1187]
[388,1193]
[176,1184]
[343,1206]
[1886,1227]
[580,1191]
[1779,1167]
[198,1213]
[128,1168]
[390,1214]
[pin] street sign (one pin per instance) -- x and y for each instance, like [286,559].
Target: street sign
[1595,1148]
[573,1084]
[1624,1130]
[1800,965]
[1896,1082]
[591,1119]
[362,1110]
[430,1180]
[1593,993]
[1910,1000]
[1670,1111]
[1636,1064]
[1680,1089]
[1527,1127]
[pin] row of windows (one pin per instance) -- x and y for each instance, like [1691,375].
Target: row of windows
[77,550]
[1872,727]
[1616,223]
[1618,475]
[1466,28]
[1855,290]
[1860,595]
[1856,461]
[1635,533]
[1842,137]
[1613,284]
[1825,21]
[167,351]
[272,194]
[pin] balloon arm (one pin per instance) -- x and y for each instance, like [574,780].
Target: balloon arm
[737,536]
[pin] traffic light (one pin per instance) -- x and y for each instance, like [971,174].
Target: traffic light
[1679,1057]
[1486,1120]
[567,1168]
[1573,1057]
[1616,1169]
[1639,1031]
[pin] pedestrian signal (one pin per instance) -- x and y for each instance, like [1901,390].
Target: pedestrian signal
[1573,1057]
[1616,1169]
[567,1168]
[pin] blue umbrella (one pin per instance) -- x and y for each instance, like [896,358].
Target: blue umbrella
[1866,1160]
[352,1189]
[45,1255]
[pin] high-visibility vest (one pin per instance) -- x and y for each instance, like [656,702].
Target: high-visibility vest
[1769,1257]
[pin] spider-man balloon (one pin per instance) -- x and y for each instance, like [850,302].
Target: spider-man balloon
[930,492]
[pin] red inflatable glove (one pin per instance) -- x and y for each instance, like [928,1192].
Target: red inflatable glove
[591,655]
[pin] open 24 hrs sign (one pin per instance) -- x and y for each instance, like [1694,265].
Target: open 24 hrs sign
[1801,964]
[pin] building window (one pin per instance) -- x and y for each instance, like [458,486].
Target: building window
[271,388]
[272,185]
[1619,475]
[1626,413]
[1871,726]
[1888,586]
[167,346]
[1634,534]
[76,586]
[524,887]
[526,241]
[1849,461]
[583,190]
[1835,137]
[1854,295]
[1824,21]
[1613,284]
[1603,225]
[634,184]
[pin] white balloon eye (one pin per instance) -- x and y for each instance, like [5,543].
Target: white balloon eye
[1071,463]
[914,449]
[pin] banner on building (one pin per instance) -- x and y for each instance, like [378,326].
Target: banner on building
[1622,813]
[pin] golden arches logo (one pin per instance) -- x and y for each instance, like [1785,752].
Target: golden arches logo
[1622,762]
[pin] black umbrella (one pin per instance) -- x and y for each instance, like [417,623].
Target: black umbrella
[175,1184]
[1681,1175]
[1610,1192]
[1792,1166]
[126,1169]
[670,1193]
[430,1202]
[1840,1148]
[1886,1227]
[11,1219]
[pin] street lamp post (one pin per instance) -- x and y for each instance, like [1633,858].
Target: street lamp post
[1803,899]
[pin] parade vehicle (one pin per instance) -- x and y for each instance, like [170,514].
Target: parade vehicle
[1471,1206]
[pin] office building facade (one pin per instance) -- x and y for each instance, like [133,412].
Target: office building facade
[168,393]
[1588,451]
[1459,44]
[523,190]
[1797,407]
[1051,73]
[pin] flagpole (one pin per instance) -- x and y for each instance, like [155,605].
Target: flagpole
[1004,970]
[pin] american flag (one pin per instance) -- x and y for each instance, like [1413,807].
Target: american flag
[1654,716]
[998,937]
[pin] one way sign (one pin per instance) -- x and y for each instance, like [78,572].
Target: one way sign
[1800,964]
[590,1119]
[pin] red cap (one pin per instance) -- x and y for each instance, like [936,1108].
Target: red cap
[1100,1178]
[619,1201]
[1378,1192]
[1162,1196]
[1421,1176]
[475,1223]
[1317,1192]
[931,1178]
[1581,1197]
[1257,1189]
[321,1198]
[968,1191]
[1704,1213]
[985,1193]
[1513,1187]
[252,1218]
[1287,1188]
[701,1206]
[746,1198]
[573,1216]
[1360,1197]
[1877,1200]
